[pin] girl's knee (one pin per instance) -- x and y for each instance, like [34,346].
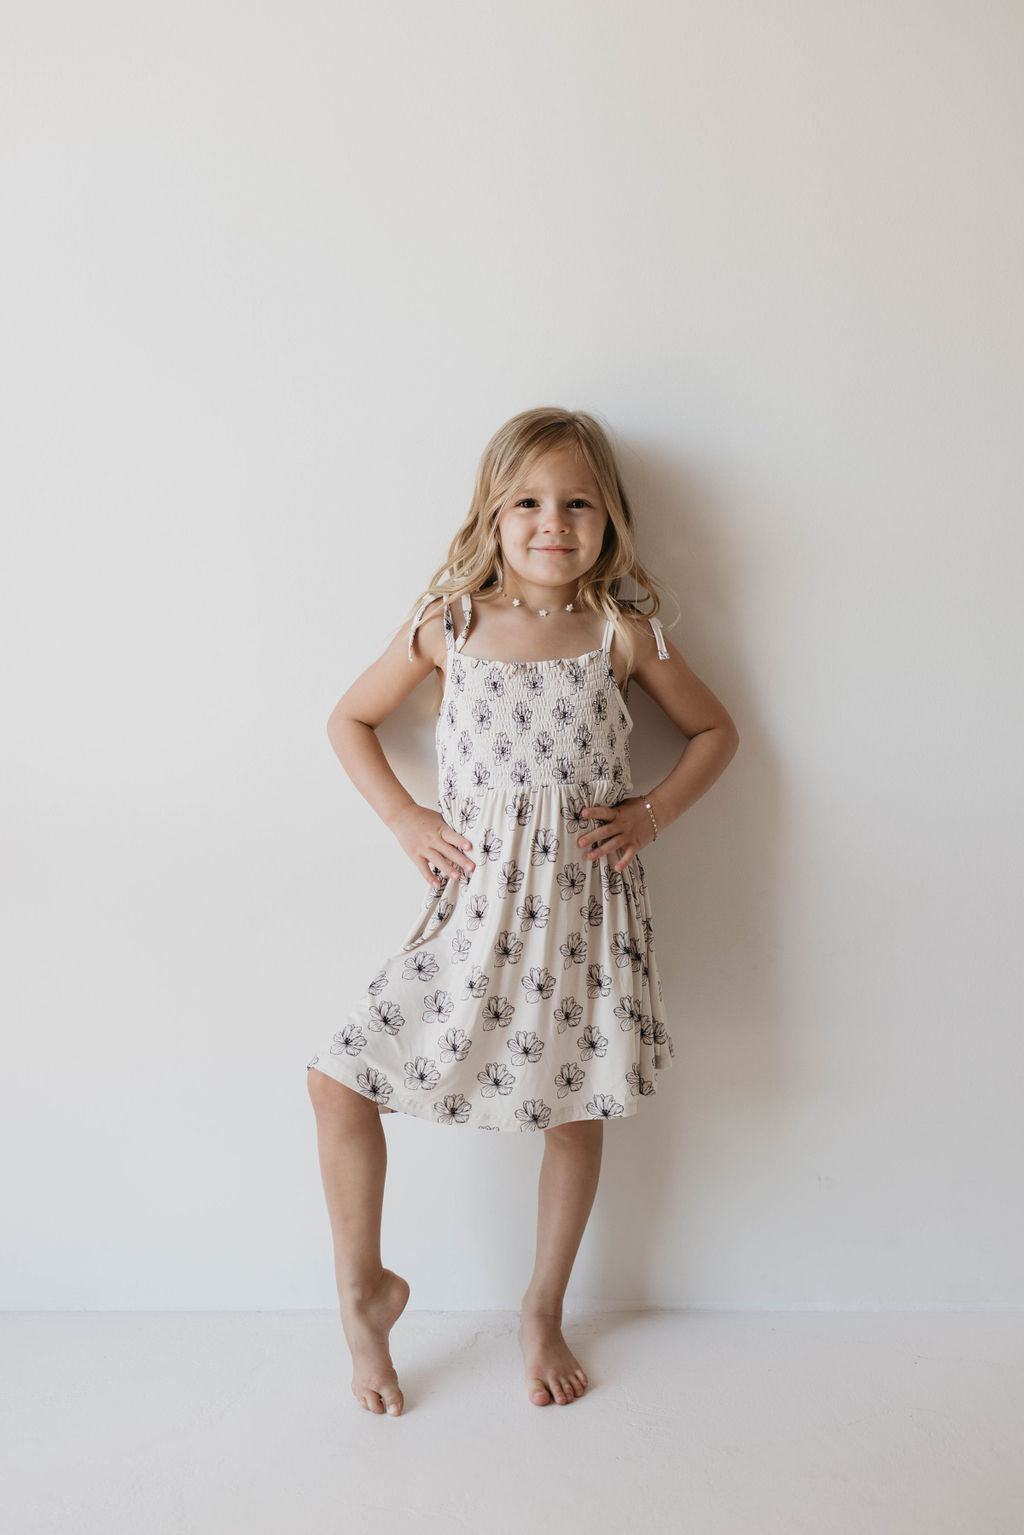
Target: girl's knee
[332,1100]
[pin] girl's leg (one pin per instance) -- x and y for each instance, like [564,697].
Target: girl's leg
[568,1183]
[353,1163]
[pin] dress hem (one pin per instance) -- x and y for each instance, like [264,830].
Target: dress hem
[420,1109]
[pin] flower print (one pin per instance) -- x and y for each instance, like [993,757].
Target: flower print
[599,766]
[591,1042]
[574,673]
[604,1106]
[374,1084]
[618,772]
[599,982]
[498,1011]
[449,716]
[629,1013]
[538,982]
[593,912]
[525,1047]
[437,1006]
[645,972]
[573,950]
[449,785]
[520,773]
[461,946]
[571,881]
[647,1030]
[421,967]
[600,704]
[568,1014]
[583,738]
[660,1034]
[563,771]
[422,1072]
[501,747]
[312,1062]
[467,817]
[464,746]
[452,1109]
[533,913]
[569,1079]
[490,845]
[648,929]
[534,1114]
[386,1016]
[621,949]
[476,985]
[611,879]
[482,715]
[495,1078]
[533,681]
[507,948]
[494,682]
[544,846]
[570,810]
[522,716]
[638,1084]
[519,809]
[454,1045]
[510,879]
[563,710]
[476,910]
[480,777]
[543,745]
[378,983]
[457,673]
[348,1041]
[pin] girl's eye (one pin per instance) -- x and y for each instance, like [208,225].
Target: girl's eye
[577,500]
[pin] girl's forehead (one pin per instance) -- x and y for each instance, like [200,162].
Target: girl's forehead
[563,466]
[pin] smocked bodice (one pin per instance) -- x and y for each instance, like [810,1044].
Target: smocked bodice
[513,727]
[522,725]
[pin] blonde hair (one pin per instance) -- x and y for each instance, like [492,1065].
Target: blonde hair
[473,562]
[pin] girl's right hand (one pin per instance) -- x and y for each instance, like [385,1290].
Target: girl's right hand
[434,846]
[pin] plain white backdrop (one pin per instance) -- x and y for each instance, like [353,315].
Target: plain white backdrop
[271,277]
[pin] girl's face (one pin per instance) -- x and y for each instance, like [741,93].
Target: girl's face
[551,532]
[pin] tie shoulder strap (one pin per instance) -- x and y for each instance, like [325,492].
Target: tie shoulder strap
[424,605]
[449,627]
[609,632]
[655,624]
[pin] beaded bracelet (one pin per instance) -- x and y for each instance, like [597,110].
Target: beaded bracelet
[651,813]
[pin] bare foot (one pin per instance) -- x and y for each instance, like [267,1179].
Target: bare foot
[553,1372]
[367,1324]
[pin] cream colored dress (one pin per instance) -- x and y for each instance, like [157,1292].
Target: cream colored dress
[527,995]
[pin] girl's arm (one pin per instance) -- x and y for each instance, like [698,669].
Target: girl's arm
[376,694]
[689,704]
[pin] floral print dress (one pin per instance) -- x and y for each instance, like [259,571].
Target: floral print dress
[527,995]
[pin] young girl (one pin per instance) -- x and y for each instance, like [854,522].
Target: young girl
[527,995]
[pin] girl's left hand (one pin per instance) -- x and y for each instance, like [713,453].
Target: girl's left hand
[626,828]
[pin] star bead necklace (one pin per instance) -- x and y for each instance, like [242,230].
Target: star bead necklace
[517,602]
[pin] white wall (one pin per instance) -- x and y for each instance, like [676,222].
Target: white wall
[271,277]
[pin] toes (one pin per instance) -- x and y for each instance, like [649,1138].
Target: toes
[393,1402]
[538,1389]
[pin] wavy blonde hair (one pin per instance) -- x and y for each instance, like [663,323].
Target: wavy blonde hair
[474,562]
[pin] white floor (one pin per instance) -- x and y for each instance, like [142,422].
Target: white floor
[713,1423]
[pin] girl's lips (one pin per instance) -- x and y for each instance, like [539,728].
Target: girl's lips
[552,549]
